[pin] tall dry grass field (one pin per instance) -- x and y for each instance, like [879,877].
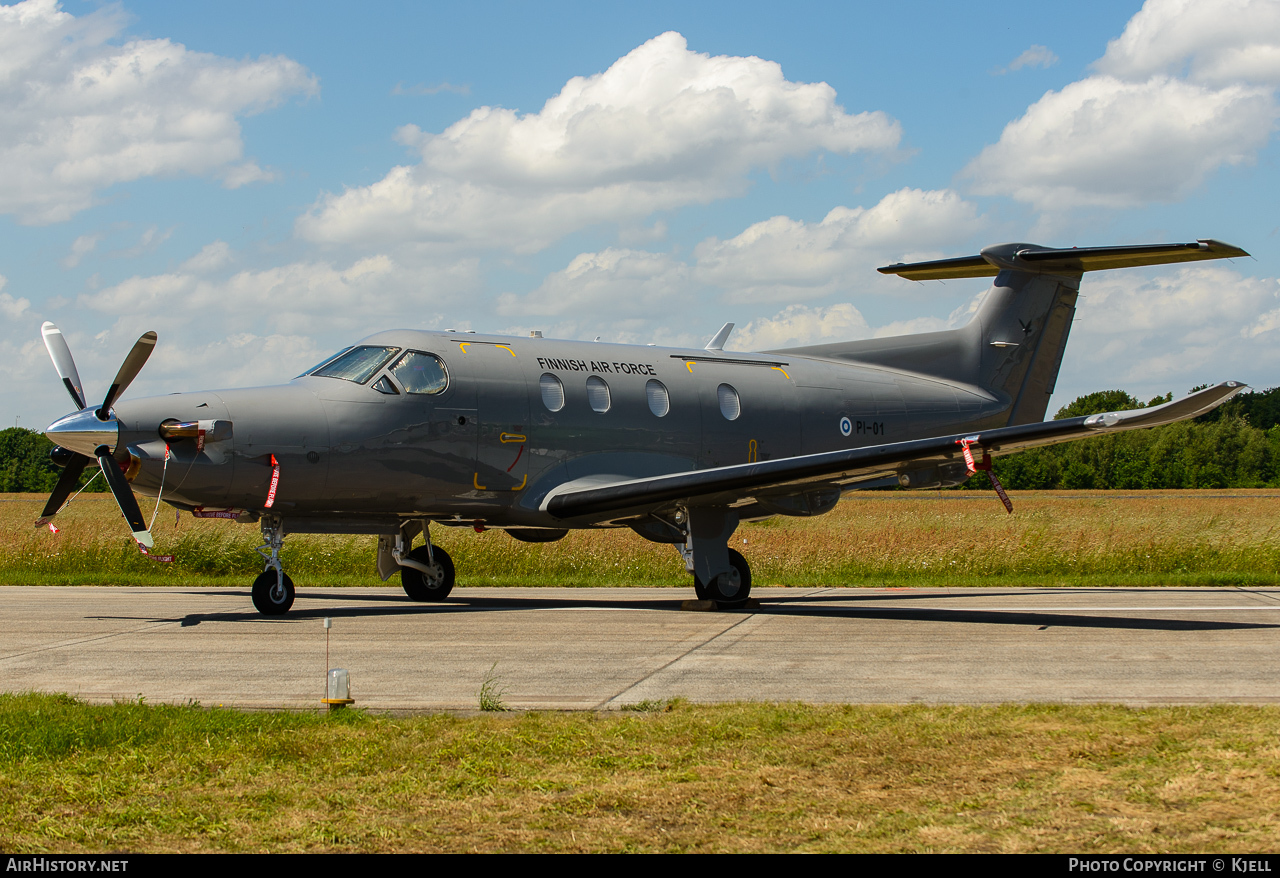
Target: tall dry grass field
[882,538]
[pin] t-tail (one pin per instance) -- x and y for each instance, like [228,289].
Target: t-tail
[1014,344]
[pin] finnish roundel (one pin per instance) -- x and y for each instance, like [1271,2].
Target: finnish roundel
[846,426]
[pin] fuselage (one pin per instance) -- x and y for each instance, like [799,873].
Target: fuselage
[517,417]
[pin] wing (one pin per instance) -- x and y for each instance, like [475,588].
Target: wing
[730,485]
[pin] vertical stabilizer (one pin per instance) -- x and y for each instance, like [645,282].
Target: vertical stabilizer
[1013,346]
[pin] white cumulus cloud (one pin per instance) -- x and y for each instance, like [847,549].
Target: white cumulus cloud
[798,325]
[12,308]
[210,258]
[782,259]
[368,295]
[79,113]
[1106,142]
[1036,56]
[1215,43]
[603,287]
[80,248]
[663,127]
[1172,331]
[1186,89]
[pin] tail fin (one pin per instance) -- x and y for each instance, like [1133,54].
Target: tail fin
[1013,346]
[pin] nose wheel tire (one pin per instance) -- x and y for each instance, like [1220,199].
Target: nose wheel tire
[435,586]
[272,593]
[728,589]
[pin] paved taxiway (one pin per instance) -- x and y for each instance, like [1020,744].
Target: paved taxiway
[602,648]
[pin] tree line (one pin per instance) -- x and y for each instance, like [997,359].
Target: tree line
[1237,445]
[25,464]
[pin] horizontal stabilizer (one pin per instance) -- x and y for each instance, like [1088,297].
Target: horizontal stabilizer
[943,269]
[1031,258]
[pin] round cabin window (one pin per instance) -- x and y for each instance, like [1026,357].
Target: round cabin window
[659,400]
[597,394]
[552,392]
[730,407]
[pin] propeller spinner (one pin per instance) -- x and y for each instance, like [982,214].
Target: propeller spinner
[93,433]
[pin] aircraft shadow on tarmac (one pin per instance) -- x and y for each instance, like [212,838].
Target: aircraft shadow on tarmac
[811,606]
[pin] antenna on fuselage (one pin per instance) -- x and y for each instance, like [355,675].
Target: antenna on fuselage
[718,340]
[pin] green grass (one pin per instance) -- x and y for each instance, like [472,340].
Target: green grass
[679,777]
[492,691]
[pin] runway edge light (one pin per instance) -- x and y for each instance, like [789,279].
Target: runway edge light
[337,691]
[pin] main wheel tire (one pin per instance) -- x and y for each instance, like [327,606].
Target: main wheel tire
[420,586]
[272,594]
[728,589]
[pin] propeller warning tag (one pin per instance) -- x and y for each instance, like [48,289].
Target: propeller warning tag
[163,559]
[985,466]
[229,512]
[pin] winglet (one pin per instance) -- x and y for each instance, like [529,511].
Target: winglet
[1178,410]
[718,340]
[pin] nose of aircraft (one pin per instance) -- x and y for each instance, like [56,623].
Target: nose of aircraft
[84,432]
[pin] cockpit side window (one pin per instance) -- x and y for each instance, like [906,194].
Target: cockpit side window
[358,364]
[420,373]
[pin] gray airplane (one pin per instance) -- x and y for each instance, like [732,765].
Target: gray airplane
[536,436]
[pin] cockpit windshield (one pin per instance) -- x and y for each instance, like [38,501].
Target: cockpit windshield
[358,364]
[326,360]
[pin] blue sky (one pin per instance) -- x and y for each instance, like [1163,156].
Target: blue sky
[263,183]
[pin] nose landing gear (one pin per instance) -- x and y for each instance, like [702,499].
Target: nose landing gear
[273,589]
[273,592]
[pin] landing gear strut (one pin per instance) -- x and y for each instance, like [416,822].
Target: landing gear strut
[425,572]
[720,574]
[272,590]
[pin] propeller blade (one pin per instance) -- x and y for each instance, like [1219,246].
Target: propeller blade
[66,484]
[63,362]
[129,369]
[124,495]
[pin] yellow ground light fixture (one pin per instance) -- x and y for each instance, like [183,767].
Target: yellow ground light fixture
[337,690]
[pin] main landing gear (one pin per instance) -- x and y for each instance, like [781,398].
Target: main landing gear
[425,572]
[273,589]
[730,588]
[431,576]
[720,574]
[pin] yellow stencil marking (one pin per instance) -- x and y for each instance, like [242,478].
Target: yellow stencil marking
[505,348]
[689,365]
[523,482]
[752,451]
[475,480]
[463,345]
[511,437]
[782,370]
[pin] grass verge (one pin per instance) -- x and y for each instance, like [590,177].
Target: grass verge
[677,777]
